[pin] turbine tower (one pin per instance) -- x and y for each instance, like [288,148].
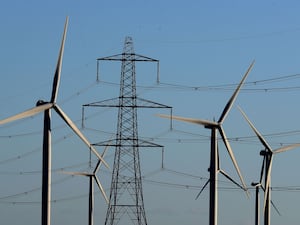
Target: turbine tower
[126,203]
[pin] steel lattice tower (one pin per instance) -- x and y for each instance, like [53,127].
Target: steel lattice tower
[126,203]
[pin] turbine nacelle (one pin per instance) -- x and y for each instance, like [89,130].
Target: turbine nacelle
[265,153]
[213,125]
[255,184]
[40,102]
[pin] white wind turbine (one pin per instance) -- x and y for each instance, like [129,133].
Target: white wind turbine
[257,202]
[216,127]
[268,160]
[258,185]
[92,177]
[46,107]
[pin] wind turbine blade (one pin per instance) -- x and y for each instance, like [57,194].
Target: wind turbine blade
[286,148]
[230,152]
[202,189]
[268,179]
[276,209]
[232,180]
[233,97]
[99,161]
[101,189]
[260,137]
[77,173]
[57,73]
[190,120]
[78,132]
[27,113]
[273,204]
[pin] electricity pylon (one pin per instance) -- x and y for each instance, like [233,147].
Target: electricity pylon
[126,203]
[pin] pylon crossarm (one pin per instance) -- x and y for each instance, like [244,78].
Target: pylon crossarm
[133,57]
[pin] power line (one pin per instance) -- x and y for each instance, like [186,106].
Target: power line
[149,181]
[199,139]
[33,151]
[225,87]
[196,140]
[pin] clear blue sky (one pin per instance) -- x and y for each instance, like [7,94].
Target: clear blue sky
[199,44]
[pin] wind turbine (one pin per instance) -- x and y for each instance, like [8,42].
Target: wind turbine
[46,107]
[257,202]
[267,153]
[258,185]
[92,177]
[216,127]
